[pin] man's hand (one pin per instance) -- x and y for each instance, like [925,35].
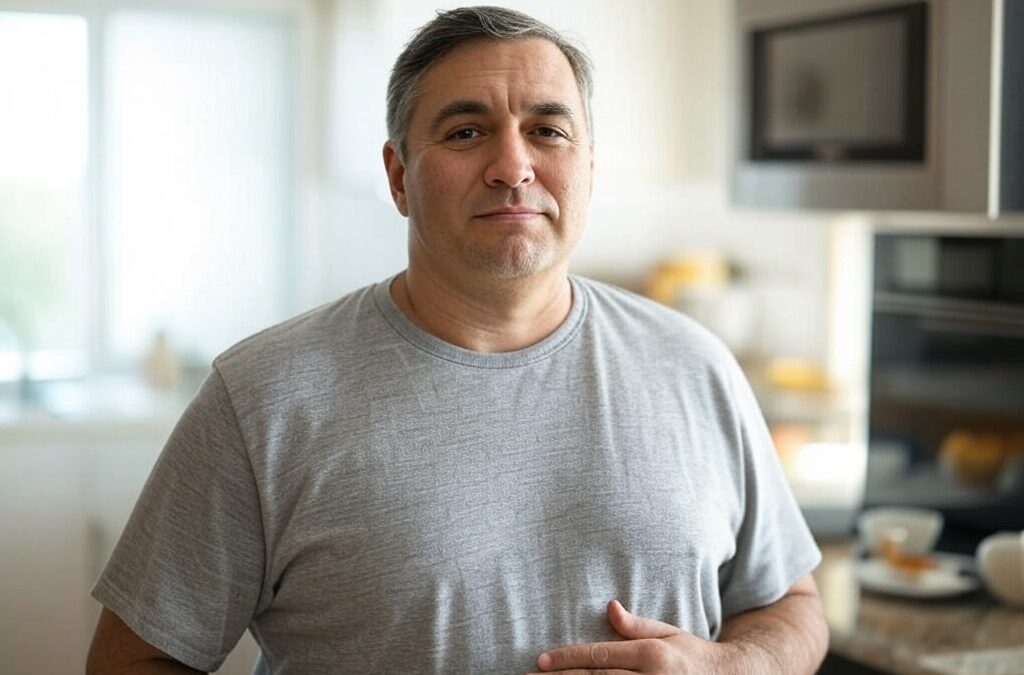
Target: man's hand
[786,637]
[649,646]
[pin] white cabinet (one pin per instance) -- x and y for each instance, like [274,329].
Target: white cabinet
[43,610]
[66,492]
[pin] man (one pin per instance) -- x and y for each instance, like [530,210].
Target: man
[483,464]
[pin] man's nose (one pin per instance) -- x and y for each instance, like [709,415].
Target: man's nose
[511,165]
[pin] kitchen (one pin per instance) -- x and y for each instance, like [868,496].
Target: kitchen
[668,197]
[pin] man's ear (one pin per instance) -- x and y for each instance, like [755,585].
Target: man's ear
[396,177]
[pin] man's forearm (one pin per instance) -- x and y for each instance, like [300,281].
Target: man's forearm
[117,650]
[789,637]
[149,667]
[161,668]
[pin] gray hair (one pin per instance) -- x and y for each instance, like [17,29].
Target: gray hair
[448,30]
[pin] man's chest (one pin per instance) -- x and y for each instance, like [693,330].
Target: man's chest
[530,524]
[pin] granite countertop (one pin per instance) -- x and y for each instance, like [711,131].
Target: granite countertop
[971,634]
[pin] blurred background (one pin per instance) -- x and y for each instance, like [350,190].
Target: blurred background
[177,175]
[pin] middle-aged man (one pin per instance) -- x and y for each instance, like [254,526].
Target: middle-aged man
[483,464]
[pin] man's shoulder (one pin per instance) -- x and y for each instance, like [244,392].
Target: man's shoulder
[649,323]
[302,341]
[617,298]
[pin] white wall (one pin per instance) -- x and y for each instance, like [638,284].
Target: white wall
[662,119]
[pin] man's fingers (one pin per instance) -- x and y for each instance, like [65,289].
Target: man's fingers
[633,627]
[633,655]
[643,650]
[592,655]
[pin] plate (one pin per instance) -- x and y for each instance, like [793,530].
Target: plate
[953,575]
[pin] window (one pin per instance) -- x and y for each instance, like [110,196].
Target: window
[145,183]
[43,146]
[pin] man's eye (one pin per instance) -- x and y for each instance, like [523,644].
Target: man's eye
[466,134]
[549,132]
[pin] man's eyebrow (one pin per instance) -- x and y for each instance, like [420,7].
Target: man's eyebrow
[552,109]
[461,107]
[471,107]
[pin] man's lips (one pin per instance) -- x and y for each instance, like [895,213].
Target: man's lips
[512,213]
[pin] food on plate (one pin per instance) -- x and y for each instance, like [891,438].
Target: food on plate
[905,564]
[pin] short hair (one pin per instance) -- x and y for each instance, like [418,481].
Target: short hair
[448,30]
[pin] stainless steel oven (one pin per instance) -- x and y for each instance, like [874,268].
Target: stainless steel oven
[946,412]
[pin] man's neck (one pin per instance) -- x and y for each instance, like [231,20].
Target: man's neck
[484,317]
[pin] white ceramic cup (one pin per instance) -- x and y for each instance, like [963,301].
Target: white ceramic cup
[921,528]
[1001,563]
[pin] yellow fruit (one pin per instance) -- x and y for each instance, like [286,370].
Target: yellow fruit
[973,458]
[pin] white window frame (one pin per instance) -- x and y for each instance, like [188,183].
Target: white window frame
[306,121]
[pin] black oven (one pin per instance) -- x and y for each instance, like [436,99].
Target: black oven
[946,412]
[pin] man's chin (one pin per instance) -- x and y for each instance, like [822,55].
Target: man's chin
[518,260]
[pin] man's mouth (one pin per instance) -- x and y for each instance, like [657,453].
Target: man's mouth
[512,213]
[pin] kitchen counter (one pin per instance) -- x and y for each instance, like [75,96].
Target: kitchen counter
[90,409]
[970,634]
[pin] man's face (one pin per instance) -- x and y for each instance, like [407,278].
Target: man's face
[498,167]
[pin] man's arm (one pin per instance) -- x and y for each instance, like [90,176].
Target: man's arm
[117,650]
[788,637]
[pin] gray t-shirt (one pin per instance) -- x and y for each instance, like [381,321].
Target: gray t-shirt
[365,497]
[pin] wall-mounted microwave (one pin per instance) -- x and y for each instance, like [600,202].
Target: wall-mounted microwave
[898,104]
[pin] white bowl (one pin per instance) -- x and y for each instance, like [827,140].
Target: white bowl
[921,527]
[1001,563]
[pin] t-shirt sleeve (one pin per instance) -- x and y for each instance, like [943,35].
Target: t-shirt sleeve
[774,547]
[187,573]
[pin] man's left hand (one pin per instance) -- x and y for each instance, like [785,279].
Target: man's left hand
[649,646]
